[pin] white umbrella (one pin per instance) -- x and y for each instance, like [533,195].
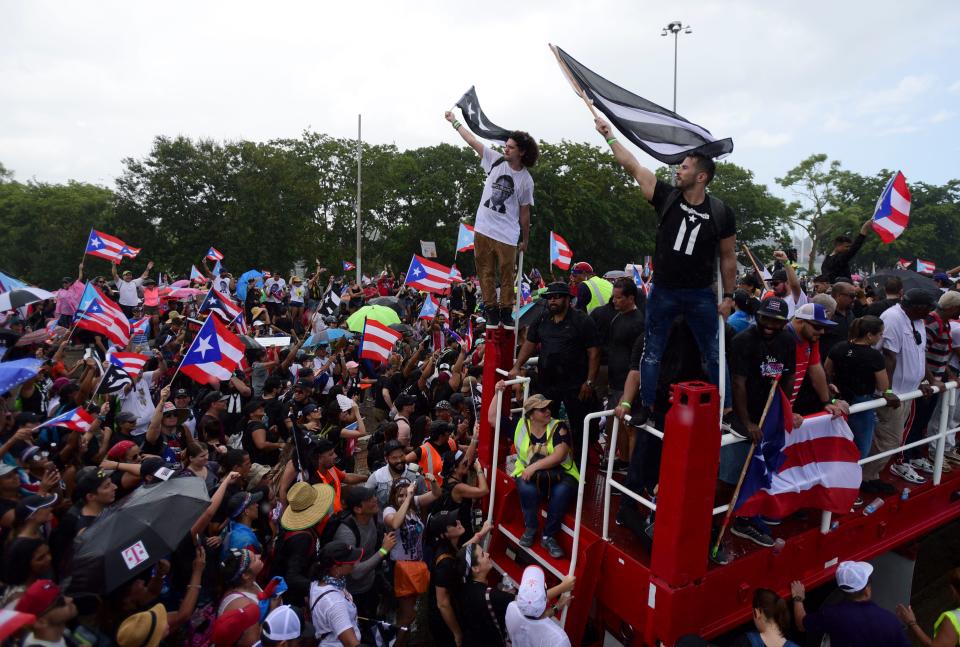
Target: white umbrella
[21,297]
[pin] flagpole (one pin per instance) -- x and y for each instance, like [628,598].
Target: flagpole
[359,185]
[756,266]
[573,83]
[722,343]
[743,470]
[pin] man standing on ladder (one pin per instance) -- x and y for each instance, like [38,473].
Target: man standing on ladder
[692,229]
[503,218]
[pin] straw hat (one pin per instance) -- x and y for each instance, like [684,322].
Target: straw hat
[307,505]
[144,629]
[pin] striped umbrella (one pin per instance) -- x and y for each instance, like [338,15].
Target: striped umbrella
[22,297]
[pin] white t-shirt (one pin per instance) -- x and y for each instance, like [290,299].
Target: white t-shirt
[504,192]
[794,303]
[128,291]
[139,402]
[332,614]
[273,292]
[297,292]
[409,546]
[899,337]
[222,286]
[525,632]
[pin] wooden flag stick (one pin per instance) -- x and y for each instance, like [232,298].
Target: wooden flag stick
[573,83]
[756,266]
[743,471]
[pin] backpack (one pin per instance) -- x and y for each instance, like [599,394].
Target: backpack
[345,517]
[199,629]
[279,561]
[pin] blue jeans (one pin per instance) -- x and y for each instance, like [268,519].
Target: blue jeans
[558,500]
[699,308]
[862,425]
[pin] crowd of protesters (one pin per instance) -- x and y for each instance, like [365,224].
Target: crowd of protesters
[344,494]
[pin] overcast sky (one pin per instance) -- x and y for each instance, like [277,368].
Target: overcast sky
[85,84]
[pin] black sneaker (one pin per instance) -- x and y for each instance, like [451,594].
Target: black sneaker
[506,318]
[526,539]
[722,557]
[770,521]
[876,486]
[639,416]
[552,547]
[745,529]
[631,519]
[492,317]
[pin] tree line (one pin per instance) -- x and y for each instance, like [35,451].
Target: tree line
[270,205]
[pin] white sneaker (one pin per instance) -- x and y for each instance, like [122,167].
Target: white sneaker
[924,465]
[932,461]
[907,473]
[952,455]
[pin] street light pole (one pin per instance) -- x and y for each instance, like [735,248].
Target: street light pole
[675,28]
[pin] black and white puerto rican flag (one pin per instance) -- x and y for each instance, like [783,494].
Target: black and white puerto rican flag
[330,304]
[477,121]
[113,381]
[661,133]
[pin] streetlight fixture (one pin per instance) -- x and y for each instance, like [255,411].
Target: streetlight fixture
[675,28]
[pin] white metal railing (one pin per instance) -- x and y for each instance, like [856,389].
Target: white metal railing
[525,381]
[610,483]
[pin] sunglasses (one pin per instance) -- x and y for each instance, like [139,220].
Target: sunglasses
[916,336]
[554,297]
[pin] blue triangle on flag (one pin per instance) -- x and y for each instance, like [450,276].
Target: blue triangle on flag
[95,307]
[416,269]
[205,348]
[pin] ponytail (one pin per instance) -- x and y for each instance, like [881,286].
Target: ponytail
[863,326]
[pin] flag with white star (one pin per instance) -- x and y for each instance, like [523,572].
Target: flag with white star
[109,247]
[214,354]
[477,121]
[427,275]
[215,301]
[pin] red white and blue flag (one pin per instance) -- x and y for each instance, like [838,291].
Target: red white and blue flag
[813,466]
[103,316]
[926,267]
[78,419]
[109,247]
[903,264]
[455,274]
[525,295]
[892,214]
[214,354]
[132,363]
[643,285]
[214,255]
[223,306]
[560,253]
[196,275]
[427,275]
[468,338]
[465,238]
[377,341]
[140,327]
[241,324]
[348,266]
[217,270]
[429,308]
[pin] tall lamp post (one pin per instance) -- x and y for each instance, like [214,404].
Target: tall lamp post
[675,28]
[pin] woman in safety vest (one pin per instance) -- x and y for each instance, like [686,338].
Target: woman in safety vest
[946,630]
[544,471]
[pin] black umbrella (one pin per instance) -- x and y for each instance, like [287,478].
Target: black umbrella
[390,302]
[250,343]
[22,297]
[532,312]
[909,278]
[402,328]
[136,533]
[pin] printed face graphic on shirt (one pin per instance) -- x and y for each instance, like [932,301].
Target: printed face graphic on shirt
[500,192]
[771,367]
[689,229]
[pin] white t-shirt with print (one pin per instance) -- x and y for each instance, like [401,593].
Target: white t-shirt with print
[297,292]
[954,361]
[900,339]
[271,291]
[332,614]
[794,302]
[504,192]
[139,402]
[525,632]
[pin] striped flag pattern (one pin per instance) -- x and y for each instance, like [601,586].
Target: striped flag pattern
[661,133]
[464,238]
[427,275]
[214,255]
[429,308]
[196,275]
[378,340]
[926,267]
[108,247]
[455,274]
[78,419]
[103,316]
[223,306]
[214,354]
[892,213]
[348,266]
[132,363]
[560,253]
[903,264]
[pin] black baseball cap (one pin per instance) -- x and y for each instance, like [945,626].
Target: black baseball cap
[774,308]
[438,523]
[181,393]
[341,552]
[916,297]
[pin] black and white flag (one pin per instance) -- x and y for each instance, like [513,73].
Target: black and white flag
[661,133]
[330,305]
[113,381]
[477,121]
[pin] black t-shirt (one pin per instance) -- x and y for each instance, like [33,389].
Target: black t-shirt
[687,240]
[563,348]
[602,316]
[482,622]
[393,384]
[854,366]
[760,360]
[833,335]
[443,573]
[625,340]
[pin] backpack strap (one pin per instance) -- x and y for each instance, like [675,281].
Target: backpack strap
[322,636]
[718,210]
[499,161]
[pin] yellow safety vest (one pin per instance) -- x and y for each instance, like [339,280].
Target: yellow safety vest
[600,292]
[521,440]
[953,617]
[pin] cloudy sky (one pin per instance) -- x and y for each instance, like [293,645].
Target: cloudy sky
[873,84]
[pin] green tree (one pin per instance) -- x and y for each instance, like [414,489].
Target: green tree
[814,181]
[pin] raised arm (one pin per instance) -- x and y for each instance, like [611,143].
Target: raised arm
[468,137]
[644,176]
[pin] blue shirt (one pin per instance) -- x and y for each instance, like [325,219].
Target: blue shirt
[857,624]
[740,320]
[240,536]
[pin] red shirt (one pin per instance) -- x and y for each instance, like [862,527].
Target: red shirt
[807,353]
[385,286]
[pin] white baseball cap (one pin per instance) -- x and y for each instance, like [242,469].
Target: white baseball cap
[532,594]
[853,576]
[281,624]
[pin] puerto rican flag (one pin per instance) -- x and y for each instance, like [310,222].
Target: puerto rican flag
[103,316]
[429,308]
[468,338]
[377,341]
[455,274]
[926,267]
[196,275]
[241,324]
[892,214]
[140,327]
[560,253]
[108,247]
[214,354]
[465,238]
[217,270]
[526,296]
[132,363]
[214,255]
[78,419]
[348,266]
[812,466]
[903,264]
[427,275]
[223,306]
[643,285]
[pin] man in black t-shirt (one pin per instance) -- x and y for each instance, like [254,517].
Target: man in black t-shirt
[693,230]
[624,340]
